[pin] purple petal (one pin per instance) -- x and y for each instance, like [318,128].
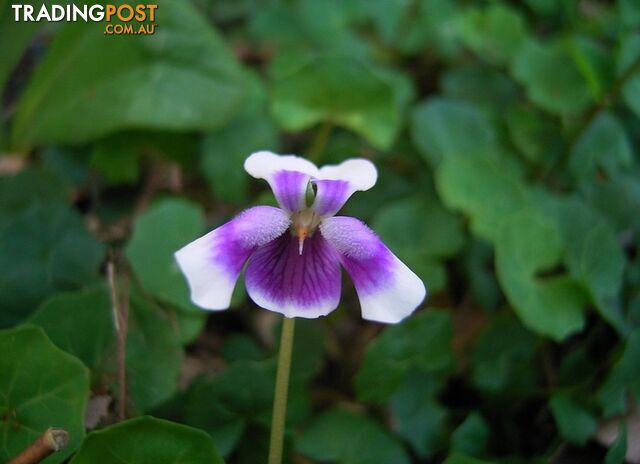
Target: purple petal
[335,184]
[290,188]
[388,290]
[280,279]
[213,262]
[287,175]
[331,195]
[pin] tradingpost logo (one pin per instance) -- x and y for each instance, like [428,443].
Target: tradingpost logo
[122,19]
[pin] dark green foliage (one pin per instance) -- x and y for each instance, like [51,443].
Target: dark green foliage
[148,439]
[349,438]
[40,383]
[506,138]
[423,342]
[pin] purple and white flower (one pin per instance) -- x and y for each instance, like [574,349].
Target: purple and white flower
[294,253]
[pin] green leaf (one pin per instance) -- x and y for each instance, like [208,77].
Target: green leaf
[485,88]
[617,199]
[310,26]
[147,439]
[154,356]
[471,435]
[527,244]
[308,355]
[255,396]
[576,423]
[495,34]
[502,357]
[345,91]
[535,134]
[48,249]
[604,144]
[434,234]
[257,447]
[633,308]
[153,350]
[41,386]
[482,189]
[63,314]
[623,379]
[430,24]
[629,14]
[159,232]
[618,452]
[420,342]
[327,26]
[437,232]
[189,324]
[242,395]
[594,62]
[551,78]
[443,128]
[224,151]
[180,78]
[349,438]
[204,410]
[593,255]
[390,186]
[577,368]
[457,458]
[116,159]
[243,347]
[480,275]
[417,415]
[68,163]
[14,37]
[545,8]
[629,57]
[387,18]
[31,187]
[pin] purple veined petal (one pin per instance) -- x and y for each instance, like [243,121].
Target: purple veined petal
[331,195]
[289,188]
[337,183]
[287,175]
[212,263]
[280,279]
[388,290]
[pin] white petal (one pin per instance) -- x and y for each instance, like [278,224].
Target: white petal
[211,287]
[397,301]
[263,164]
[388,290]
[212,263]
[359,172]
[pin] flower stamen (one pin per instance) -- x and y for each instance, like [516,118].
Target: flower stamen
[303,225]
[302,233]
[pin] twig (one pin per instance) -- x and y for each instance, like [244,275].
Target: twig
[151,186]
[49,442]
[120,306]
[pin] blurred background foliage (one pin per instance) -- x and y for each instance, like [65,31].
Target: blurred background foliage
[505,133]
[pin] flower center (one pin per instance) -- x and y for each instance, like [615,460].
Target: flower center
[303,224]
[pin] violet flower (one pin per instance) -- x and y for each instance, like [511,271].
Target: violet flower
[294,252]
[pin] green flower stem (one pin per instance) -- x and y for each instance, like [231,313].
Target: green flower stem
[282,390]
